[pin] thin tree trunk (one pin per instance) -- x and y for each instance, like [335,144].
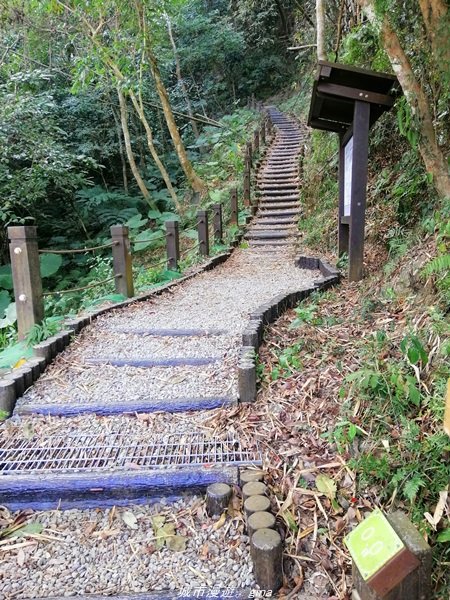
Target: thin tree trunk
[430,151]
[194,180]
[180,78]
[139,108]
[435,17]
[128,148]
[320,24]
[121,154]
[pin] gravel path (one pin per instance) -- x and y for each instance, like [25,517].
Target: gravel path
[221,299]
[98,551]
[91,550]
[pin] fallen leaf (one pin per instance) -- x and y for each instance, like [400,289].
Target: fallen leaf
[176,543]
[20,557]
[221,522]
[129,519]
[19,363]
[163,533]
[105,533]
[326,485]
[28,528]
[158,522]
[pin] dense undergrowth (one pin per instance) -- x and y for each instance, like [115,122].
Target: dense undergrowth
[393,369]
[220,164]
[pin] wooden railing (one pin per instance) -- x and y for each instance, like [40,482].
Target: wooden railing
[24,250]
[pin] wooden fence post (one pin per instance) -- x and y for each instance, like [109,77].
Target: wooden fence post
[249,154]
[256,141]
[234,207]
[122,265]
[203,232]
[217,223]
[247,198]
[172,245]
[263,133]
[26,274]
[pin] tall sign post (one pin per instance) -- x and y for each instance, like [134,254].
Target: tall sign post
[348,100]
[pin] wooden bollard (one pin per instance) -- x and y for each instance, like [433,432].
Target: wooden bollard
[256,504]
[250,475]
[247,375]
[218,496]
[267,556]
[254,488]
[203,232]
[217,224]
[122,266]
[172,245]
[260,520]
[26,274]
[7,395]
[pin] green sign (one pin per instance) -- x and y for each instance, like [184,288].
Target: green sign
[373,543]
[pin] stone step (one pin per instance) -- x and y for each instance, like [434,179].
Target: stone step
[268,235]
[277,213]
[275,205]
[287,221]
[173,405]
[278,197]
[274,244]
[277,186]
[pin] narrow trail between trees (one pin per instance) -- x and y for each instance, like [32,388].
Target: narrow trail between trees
[133,392]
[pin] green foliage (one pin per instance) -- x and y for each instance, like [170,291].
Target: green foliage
[42,331]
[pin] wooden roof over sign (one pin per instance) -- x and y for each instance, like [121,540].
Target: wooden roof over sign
[336,87]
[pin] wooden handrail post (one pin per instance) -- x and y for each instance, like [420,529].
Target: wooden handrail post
[122,265]
[217,223]
[256,141]
[203,232]
[249,154]
[26,274]
[172,245]
[234,207]
[262,133]
[247,198]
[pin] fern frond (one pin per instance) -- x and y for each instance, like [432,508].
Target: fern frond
[440,264]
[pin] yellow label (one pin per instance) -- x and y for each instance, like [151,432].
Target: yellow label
[372,544]
[447,410]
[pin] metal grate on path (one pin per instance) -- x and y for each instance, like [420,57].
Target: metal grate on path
[118,451]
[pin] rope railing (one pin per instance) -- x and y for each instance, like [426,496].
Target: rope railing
[25,252]
[154,239]
[185,252]
[77,250]
[82,289]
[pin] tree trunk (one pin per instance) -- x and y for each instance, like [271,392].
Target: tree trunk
[121,154]
[430,151]
[128,148]
[180,78]
[151,146]
[194,180]
[320,24]
[435,17]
